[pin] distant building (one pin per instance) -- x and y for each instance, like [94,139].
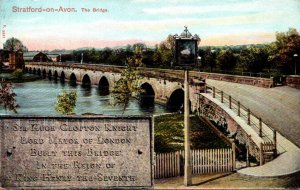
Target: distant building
[28,56]
[35,56]
[41,57]
[16,60]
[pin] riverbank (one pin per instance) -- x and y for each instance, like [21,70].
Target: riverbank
[18,79]
[169,134]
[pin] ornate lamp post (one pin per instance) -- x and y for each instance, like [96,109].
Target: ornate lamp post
[186,48]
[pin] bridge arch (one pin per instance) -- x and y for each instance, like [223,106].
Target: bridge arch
[55,75]
[34,71]
[44,73]
[73,79]
[62,76]
[30,70]
[176,100]
[39,71]
[86,81]
[147,95]
[49,74]
[103,86]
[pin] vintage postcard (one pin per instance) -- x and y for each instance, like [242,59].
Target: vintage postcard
[149,94]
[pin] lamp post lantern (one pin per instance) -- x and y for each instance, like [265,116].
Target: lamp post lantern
[295,55]
[186,48]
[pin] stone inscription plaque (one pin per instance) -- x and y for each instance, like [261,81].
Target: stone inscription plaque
[72,152]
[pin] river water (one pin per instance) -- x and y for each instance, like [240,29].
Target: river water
[39,98]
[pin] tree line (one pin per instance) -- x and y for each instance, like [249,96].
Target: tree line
[274,58]
[278,57]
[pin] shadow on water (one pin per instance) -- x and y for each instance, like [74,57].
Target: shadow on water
[72,84]
[146,102]
[103,91]
[86,90]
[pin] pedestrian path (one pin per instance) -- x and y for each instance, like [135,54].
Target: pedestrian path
[286,163]
[279,107]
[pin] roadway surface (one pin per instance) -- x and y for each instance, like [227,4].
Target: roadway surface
[278,107]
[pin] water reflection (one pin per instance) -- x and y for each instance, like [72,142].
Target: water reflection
[86,90]
[103,91]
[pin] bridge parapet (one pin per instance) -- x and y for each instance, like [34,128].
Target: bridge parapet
[248,128]
[293,81]
[254,81]
[168,74]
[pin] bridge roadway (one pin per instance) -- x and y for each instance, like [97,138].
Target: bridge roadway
[278,107]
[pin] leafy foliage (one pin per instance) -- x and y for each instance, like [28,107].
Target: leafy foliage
[287,44]
[276,58]
[8,97]
[254,59]
[208,58]
[18,73]
[128,85]
[66,102]
[14,44]
[226,60]
[164,52]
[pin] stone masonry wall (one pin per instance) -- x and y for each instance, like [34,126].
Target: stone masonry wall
[293,81]
[254,81]
[234,127]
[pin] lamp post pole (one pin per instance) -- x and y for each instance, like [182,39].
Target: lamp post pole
[187,159]
[186,47]
[295,55]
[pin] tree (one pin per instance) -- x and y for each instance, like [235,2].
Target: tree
[128,85]
[140,46]
[148,58]
[104,55]
[117,57]
[66,102]
[157,56]
[8,97]
[254,59]
[14,44]
[287,45]
[208,58]
[164,52]
[18,74]
[226,60]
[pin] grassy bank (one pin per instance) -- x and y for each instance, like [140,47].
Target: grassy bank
[169,134]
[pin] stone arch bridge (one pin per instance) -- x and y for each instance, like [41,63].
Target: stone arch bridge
[166,87]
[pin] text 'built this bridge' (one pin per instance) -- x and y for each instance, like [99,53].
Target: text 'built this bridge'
[257,129]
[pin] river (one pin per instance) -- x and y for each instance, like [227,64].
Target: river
[39,98]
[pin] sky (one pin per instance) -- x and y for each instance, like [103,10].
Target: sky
[121,22]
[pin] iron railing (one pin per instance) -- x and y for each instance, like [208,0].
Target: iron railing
[252,120]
